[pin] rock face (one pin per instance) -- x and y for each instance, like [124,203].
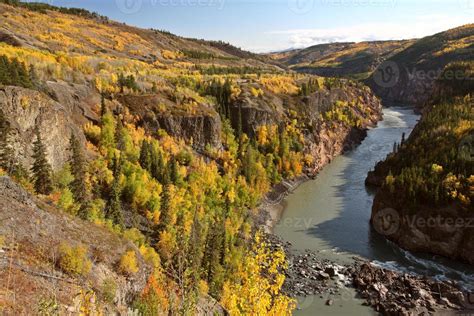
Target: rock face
[445,231]
[273,109]
[33,232]
[26,109]
[198,130]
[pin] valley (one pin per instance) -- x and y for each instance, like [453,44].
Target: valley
[149,173]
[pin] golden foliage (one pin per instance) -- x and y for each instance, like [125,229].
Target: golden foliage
[128,264]
[258,290]
[74,260]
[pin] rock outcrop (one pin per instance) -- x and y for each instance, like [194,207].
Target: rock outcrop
[27,109]
[447,231]
[393,293]
[198,130]
[387,292]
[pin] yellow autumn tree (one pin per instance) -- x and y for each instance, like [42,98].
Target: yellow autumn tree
[257,290]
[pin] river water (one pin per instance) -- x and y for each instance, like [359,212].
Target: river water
[331,214]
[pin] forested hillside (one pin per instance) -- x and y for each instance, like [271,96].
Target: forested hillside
[430,175]
[165,143]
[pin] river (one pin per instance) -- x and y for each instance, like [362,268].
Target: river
[331,214]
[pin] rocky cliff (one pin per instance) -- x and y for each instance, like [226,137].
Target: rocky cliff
[447,231]
[25,109]
[198,128]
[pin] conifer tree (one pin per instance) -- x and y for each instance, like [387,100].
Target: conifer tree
[79,171]
[119,134]
[157,166]
[173,170]
[103,107]
[165,207]
[145,155]
[41,168]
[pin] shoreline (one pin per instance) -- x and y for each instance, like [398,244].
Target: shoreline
[384,291]
[272,205]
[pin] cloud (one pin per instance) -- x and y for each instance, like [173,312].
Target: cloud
[418,27]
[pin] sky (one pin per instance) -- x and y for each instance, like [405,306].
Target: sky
[276,25]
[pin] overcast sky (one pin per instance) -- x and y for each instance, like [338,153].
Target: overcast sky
[273,25]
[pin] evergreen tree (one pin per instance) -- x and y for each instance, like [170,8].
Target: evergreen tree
[41,168]
[158,167]
[114,205]
[119,134]
[4,69]
[121,82]
[103,107]
[79,171]
[239,123]
[173,170]
[145,155]
[165,218]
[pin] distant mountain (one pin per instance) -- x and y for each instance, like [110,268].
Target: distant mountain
[409,76]
[354,60]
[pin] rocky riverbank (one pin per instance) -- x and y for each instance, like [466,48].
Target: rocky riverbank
[387,292]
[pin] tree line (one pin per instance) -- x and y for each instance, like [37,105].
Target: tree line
[15,73]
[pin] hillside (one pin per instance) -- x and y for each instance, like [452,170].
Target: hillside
[427,182]
[98,37]
[408,77]
[168,142]
[33,259]
[353,60]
